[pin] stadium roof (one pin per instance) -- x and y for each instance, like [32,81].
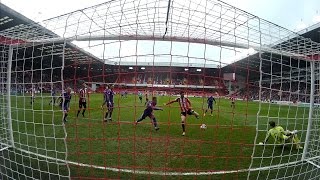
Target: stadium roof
[312,32]
[14,24]
[253,62]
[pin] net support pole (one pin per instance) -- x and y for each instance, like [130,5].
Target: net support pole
[306,144]
[63,88]
[9,118]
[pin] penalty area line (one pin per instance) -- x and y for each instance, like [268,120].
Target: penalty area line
[72,119]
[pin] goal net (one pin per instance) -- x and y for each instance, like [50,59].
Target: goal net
[77,95]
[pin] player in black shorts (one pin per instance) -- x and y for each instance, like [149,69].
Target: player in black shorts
[83,94]
[233,103]
[82,101]
[185,107]
[147,99]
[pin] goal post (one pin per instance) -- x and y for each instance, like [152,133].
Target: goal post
[5,127]
[8,96]
[32,135]
[6,132]
[310,122]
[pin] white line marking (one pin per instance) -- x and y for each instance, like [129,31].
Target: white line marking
[71,119]
[159,172]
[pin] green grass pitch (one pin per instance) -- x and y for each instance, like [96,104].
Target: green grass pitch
[227,144]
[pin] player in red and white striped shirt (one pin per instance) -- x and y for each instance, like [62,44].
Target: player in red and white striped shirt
[147,99]
[33,94]
[185,107]
[82,99]
[233,103]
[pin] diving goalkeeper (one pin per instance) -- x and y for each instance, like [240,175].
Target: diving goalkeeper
[281,137]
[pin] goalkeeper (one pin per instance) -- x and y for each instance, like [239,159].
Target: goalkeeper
[281,137]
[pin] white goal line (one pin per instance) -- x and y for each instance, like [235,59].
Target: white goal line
[143,172]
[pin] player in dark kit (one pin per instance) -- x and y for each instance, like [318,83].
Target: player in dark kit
[60,100]
[108,100]
[66,96]
[148,112]
[210,105]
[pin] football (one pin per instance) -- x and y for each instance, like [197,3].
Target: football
[203,126]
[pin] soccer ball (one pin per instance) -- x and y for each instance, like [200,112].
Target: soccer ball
[203,127]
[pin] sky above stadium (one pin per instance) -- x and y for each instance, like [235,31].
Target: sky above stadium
[291,14]
[294,15]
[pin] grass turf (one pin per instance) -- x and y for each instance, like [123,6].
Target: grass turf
[226,145]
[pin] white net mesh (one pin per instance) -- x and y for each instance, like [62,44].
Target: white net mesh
[32,136]
[285,94]
[139,46]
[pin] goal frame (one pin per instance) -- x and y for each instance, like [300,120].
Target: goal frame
[233,23]
[10,143]
[259,50]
